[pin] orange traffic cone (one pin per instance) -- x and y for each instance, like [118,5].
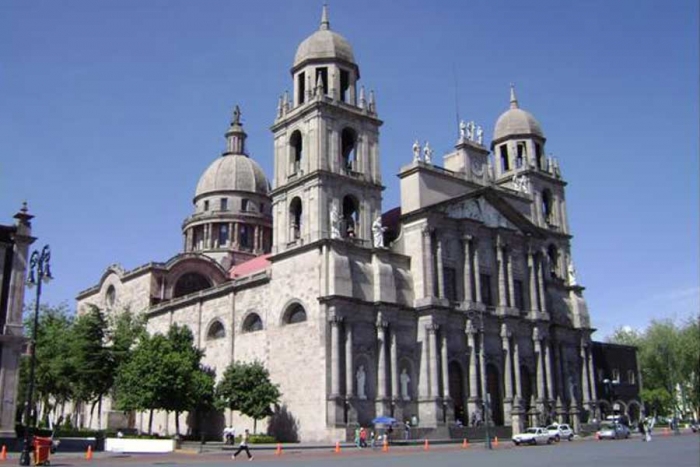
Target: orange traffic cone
[666,431]
[465,443]
[3,453]
[337,447]
[385,445]
[278,452]
[426,446]
[495,442]
[88,454]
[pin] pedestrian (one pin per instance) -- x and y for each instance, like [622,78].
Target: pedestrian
[649,425]
[363,437]
[357,437]
[407,430]
[243,446]
[372,439]
[640,426]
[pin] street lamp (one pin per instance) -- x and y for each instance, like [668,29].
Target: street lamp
[39,271]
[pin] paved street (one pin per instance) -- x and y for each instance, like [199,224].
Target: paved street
[682,451]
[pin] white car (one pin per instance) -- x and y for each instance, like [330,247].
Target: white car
[534,435]
[560,431]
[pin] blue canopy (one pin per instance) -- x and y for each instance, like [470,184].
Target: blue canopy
[384,420]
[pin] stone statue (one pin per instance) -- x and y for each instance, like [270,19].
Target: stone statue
[572,273]
[405,379]
[470,131]
[427,153]
[335,222]
[361,378]
[416,151]
[378,232]
[520,184]
[480,135]
[462,130]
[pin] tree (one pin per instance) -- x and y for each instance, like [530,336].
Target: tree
[92,360]
[246,387]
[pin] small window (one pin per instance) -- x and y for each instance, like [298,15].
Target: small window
[323,74]
[616,375]
[252,323]
[224,204]
[344,86]
[538,156]
[520,156]
[302,87]
[244,205]
[206,205]
[244,236]
[505,163]
[518,291]
[216,331]
[450,277]
[223,234]
[296,314]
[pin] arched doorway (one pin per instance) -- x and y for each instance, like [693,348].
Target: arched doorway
[493,385]
[457,390]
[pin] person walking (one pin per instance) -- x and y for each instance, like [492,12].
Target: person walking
[407,430]
[363,437]
[357,437]
[642,431]
[243,446]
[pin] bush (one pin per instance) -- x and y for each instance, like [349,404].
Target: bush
[262,439]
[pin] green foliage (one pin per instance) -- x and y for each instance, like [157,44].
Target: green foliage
[246,387]
[669,360]
[92,360]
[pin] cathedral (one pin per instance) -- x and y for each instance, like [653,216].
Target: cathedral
[460,304]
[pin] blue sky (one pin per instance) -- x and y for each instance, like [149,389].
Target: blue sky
[110,111]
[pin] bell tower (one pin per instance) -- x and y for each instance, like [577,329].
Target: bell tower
[327,181]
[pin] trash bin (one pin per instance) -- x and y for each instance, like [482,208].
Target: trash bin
[42,450]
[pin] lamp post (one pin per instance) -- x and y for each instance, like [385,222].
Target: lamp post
[39,271]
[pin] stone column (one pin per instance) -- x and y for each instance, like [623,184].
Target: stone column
[558,371]
[395,395]
[591,375]
[501,268]
[585,395]
[440,270]
[468,296]
[230,235]
[539,367]
[532,273]
[473,378]
[516,364]
[542,294]
[381,368]
[443,361]
[508,366]
[348,361]
[428,262]
[255,238]
[424,386]
[477,274]
[548,362]
[335,355]
[235,236]
[482,363]
[434,390]
[511,285]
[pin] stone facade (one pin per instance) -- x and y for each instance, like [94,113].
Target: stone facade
[14,263]
[466,293]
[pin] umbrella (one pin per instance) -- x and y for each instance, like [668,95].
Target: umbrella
[384,420]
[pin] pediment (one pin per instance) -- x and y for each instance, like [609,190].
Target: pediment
[479,209]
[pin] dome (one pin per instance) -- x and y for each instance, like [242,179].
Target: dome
[324,44]
[516,121]
[233,172]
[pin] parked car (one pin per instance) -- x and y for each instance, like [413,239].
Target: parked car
[613,431]
[560,431]
[533,435]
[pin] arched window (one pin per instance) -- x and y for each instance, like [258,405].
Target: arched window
[547,206]
[538,156]
[351,217]
[252,323]
[295,314]
[244,237]
[505,159]
[295,219]
[110,296]
[348,145]
[216,331]
[297,151]
[190,282]
[553,256]
[520,156]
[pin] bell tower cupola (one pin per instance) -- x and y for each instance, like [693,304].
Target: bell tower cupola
[327,181]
